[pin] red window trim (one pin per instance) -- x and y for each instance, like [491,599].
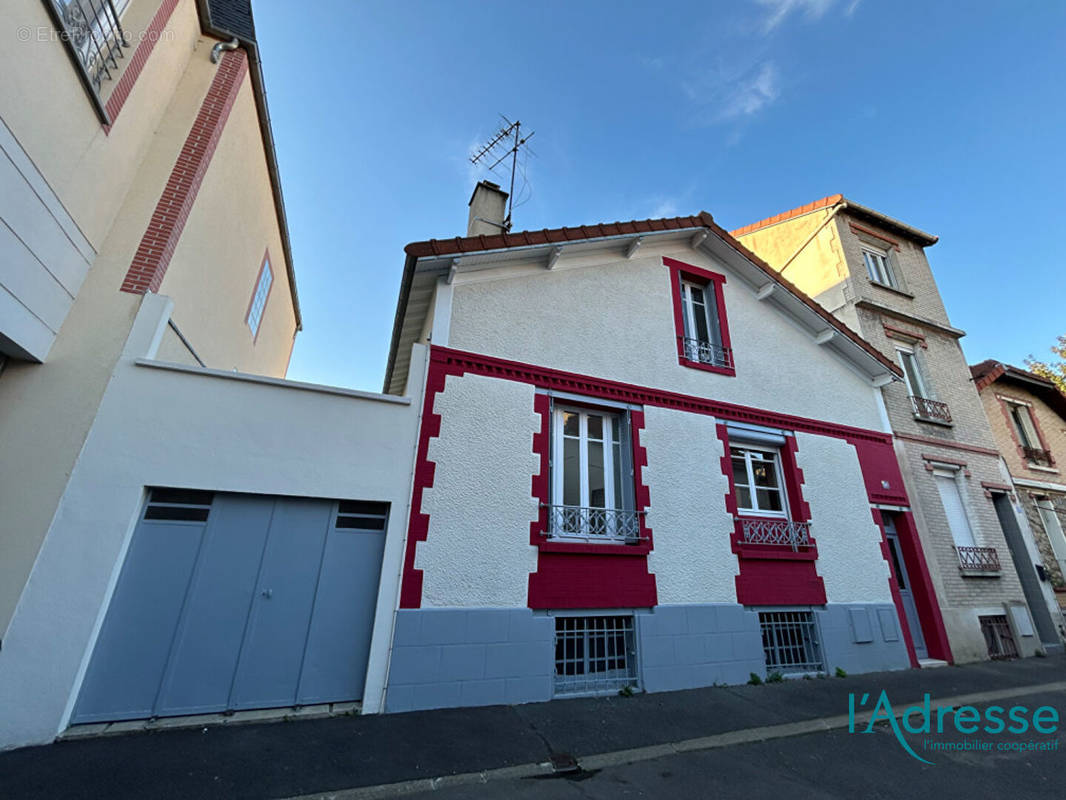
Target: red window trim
[255,288]
[680,270]
[542,484]
[799,510]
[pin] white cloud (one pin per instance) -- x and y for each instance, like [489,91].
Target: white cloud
[777,11]
[731,94]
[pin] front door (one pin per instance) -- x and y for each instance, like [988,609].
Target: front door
[899,569]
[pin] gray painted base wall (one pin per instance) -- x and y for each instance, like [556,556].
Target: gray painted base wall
[444,658]
[449,657]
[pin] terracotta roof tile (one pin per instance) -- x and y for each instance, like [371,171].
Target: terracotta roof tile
[471,244]
[825,202]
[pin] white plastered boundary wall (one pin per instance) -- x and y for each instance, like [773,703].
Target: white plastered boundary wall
[611,318]
[850,561]
[692,560]
[481,503]
[178,426]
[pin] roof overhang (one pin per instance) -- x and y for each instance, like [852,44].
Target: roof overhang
[423,268]
[998,372]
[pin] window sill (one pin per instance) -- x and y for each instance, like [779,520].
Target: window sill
[1038,468]
[891,289]
[549,545]
[980,573]
[685,362]
[770,552]
[931,421]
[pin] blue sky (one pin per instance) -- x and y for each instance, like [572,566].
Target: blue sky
[950,120]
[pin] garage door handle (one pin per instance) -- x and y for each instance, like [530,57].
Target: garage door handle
[268,593]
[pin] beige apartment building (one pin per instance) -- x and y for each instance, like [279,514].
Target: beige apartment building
[1028,418]
[871,272]
[135,159]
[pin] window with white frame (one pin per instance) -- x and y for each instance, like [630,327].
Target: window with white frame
[592,475]
[702,327]
[947,485]
[878,266]
[1052,527]
[758,480]
[259,299]
[912,373]
[1022,420]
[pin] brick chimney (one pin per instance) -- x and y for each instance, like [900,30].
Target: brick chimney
[488,209]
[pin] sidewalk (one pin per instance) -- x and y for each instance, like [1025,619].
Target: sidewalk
[286,759]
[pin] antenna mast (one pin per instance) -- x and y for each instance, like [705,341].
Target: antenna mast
[505,144]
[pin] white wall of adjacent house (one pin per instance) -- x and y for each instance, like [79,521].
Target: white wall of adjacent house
[609,317]
[165,425]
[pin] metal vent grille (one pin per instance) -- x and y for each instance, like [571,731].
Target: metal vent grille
[998,637]
[178,505]
[790,641]
[363,516]
[594,655]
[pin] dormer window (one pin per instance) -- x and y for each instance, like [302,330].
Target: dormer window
[699,318]
[879,267]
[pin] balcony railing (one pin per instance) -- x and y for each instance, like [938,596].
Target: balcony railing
[92,30]
[978,559]
[706,352]
[933,410]
[594,524]
[796,535]
[1037,456]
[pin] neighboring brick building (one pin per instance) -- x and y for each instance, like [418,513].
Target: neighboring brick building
[871,272]
[1028,418]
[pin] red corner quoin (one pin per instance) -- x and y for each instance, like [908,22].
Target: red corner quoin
[172,211]
[152,34]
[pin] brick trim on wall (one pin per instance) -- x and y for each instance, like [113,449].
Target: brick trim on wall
[172,211]
[152,34]
[859,229]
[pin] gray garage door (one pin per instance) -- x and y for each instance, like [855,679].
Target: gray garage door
[230,602]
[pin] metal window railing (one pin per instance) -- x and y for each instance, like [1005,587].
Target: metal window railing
[796,535]
[706,352]
[790,641]
[924,408]
[998,637]
[594,524]
[1038,456]
[92,30]
[978,559]
[594,655]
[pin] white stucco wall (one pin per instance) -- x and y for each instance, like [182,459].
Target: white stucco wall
[612,318]
[692,560]
[193,430]
[481,503]
[849,542]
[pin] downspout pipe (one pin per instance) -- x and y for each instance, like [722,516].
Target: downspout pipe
[216,51]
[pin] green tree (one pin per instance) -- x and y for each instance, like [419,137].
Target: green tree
[1055,371]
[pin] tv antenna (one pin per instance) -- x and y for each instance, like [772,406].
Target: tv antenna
[505,144]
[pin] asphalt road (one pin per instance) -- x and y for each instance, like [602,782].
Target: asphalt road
[825,765]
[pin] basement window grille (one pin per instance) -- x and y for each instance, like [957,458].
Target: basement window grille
[998,637]
[363,516]
[594,655]
[178,505]
[790,641]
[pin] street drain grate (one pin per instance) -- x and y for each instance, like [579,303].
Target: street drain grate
[564,764]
